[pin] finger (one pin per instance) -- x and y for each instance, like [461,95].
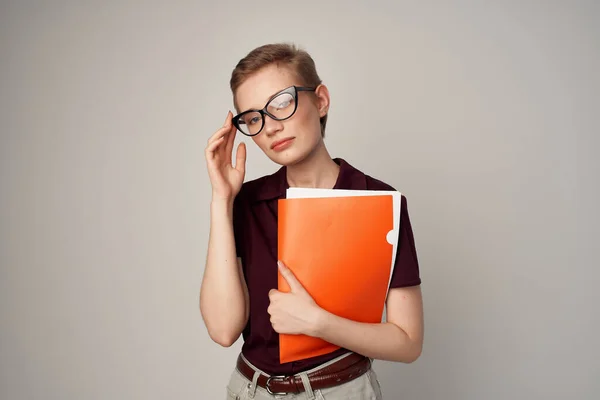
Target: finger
[273,322]
[218,134]
[214,144]
[222,131]
[289,276]
[273,292]
[211,148]
[240,158]
[230,139]
[228,118]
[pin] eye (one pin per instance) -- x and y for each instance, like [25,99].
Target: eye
[282,104]
[252,118]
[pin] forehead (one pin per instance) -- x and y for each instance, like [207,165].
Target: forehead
[260,86]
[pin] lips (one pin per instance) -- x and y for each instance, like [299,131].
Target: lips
[281,143]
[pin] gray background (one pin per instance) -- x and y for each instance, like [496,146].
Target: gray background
[484,114]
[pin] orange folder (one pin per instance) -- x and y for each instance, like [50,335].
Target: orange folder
[341,249]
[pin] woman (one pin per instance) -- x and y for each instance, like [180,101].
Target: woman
[283,106]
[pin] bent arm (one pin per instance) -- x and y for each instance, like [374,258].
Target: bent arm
[399,339]
[224,303]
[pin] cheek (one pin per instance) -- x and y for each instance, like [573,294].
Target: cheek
[260,141]
[309,120]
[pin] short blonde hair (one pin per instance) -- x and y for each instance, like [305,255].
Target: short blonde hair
[281,54]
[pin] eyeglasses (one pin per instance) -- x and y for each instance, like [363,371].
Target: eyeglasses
[280,106]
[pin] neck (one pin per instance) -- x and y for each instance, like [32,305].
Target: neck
[318,170]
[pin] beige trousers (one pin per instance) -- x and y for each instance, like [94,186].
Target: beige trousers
[365,387]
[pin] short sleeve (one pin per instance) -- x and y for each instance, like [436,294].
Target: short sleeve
[406,268]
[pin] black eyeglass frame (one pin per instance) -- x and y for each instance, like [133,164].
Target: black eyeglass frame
[264,111]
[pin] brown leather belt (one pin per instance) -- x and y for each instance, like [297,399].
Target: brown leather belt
[342,371]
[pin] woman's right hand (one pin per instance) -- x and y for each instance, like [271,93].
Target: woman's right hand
[226,180]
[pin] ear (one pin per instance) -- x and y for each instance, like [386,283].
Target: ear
[322,95]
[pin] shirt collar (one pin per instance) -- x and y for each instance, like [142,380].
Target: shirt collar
[275,185]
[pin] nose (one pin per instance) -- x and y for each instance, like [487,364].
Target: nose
[272,126]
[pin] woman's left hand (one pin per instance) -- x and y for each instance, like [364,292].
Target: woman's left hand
[294,312]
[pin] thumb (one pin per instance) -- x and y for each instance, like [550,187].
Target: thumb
[240,158]
[289,276]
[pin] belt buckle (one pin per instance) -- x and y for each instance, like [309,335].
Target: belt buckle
[268,387]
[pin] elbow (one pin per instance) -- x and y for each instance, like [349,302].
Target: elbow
[224,330]
[409,348]
[224,336]
[221,334]
[408,352]
[414,357]
[414,354]
[223,339]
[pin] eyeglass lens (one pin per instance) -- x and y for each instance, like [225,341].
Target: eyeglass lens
[281,107]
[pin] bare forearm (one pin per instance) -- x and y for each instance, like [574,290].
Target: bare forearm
[383,341]
[222,297]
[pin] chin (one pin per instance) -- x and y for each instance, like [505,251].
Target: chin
[288,157]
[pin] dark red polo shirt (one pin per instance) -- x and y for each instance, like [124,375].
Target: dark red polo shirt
[255,228]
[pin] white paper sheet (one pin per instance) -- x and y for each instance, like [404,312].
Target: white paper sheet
[392,236]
